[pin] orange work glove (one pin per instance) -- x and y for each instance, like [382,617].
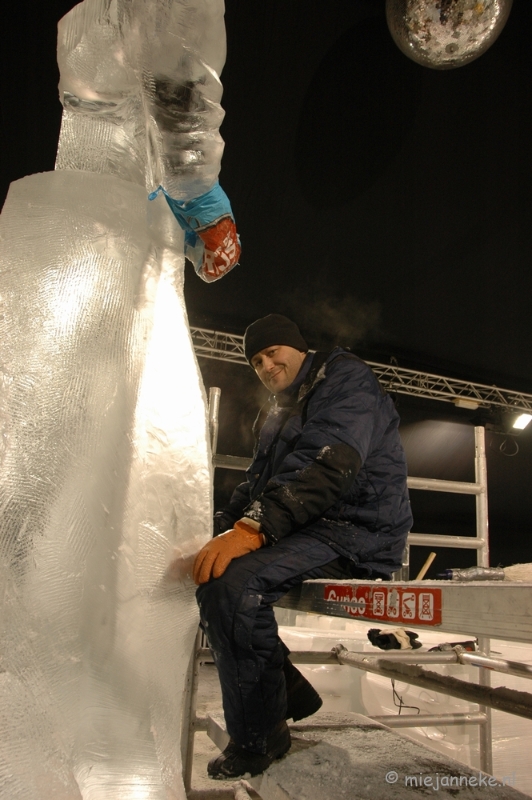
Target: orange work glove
[213,559]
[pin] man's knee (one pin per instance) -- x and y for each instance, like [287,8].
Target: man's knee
[212,595]
[220,597]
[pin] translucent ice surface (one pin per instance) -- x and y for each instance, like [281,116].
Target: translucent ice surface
[104,458]
[104,471]
[141,92]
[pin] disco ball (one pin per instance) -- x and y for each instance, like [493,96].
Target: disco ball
[443,34]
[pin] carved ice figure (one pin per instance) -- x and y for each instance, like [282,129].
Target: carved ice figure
[104,455]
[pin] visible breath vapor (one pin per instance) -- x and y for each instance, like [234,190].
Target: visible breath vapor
[345,321]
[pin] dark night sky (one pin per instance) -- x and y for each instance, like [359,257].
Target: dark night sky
[381,204]
[393,199]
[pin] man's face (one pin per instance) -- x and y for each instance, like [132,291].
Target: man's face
[277,366]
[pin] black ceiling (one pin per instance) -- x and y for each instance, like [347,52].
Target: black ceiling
[381,204]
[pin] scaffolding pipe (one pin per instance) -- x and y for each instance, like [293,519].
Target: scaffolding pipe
[496,664]
[481,499]
[485,733]
[436,485]
[408,656]
[508,700]
[214,410]
[456,655]
[424,720]
[231,462]
[441,540]
[400,656]
[189,719]
[483,560]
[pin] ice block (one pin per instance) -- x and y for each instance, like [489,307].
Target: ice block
[105,468]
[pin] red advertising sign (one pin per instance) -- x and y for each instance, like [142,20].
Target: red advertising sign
[387,603]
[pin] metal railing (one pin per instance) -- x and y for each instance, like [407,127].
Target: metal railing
[479,489]
[392,665]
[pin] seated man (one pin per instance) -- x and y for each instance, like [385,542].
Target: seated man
[325,497]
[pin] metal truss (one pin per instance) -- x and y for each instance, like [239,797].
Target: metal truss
[220,346]
[230,347]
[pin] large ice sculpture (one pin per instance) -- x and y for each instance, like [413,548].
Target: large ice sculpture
[104,455]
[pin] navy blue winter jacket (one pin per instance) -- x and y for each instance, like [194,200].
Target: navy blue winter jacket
[329,462]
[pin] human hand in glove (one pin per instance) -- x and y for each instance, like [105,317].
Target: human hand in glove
[211,240]
[214,558]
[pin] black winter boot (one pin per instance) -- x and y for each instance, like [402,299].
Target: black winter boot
[236,761]
[302,699]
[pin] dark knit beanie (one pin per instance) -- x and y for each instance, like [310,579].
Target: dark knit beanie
[271,330]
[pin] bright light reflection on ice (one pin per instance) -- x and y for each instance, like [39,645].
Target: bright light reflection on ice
[139,791]
[165,395]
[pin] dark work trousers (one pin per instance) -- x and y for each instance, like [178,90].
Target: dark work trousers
[238,619]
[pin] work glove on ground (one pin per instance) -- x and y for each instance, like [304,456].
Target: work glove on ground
[397,639]
[214,558]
